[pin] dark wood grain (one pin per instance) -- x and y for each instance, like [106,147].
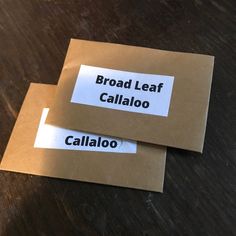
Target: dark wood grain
[200,190]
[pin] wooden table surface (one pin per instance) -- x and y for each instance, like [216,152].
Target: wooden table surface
[200,190]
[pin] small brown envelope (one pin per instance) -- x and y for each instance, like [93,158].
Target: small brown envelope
[126,163]
[136,93]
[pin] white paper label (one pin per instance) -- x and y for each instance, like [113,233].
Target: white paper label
[49,136]
[122,90]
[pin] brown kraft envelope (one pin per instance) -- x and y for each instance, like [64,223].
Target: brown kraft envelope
[184,122]
[143,169]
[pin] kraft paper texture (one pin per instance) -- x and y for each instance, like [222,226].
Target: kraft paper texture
[185,125]
[143,170]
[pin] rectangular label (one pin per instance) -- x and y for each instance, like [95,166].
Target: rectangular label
[49,136]
[122,90]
